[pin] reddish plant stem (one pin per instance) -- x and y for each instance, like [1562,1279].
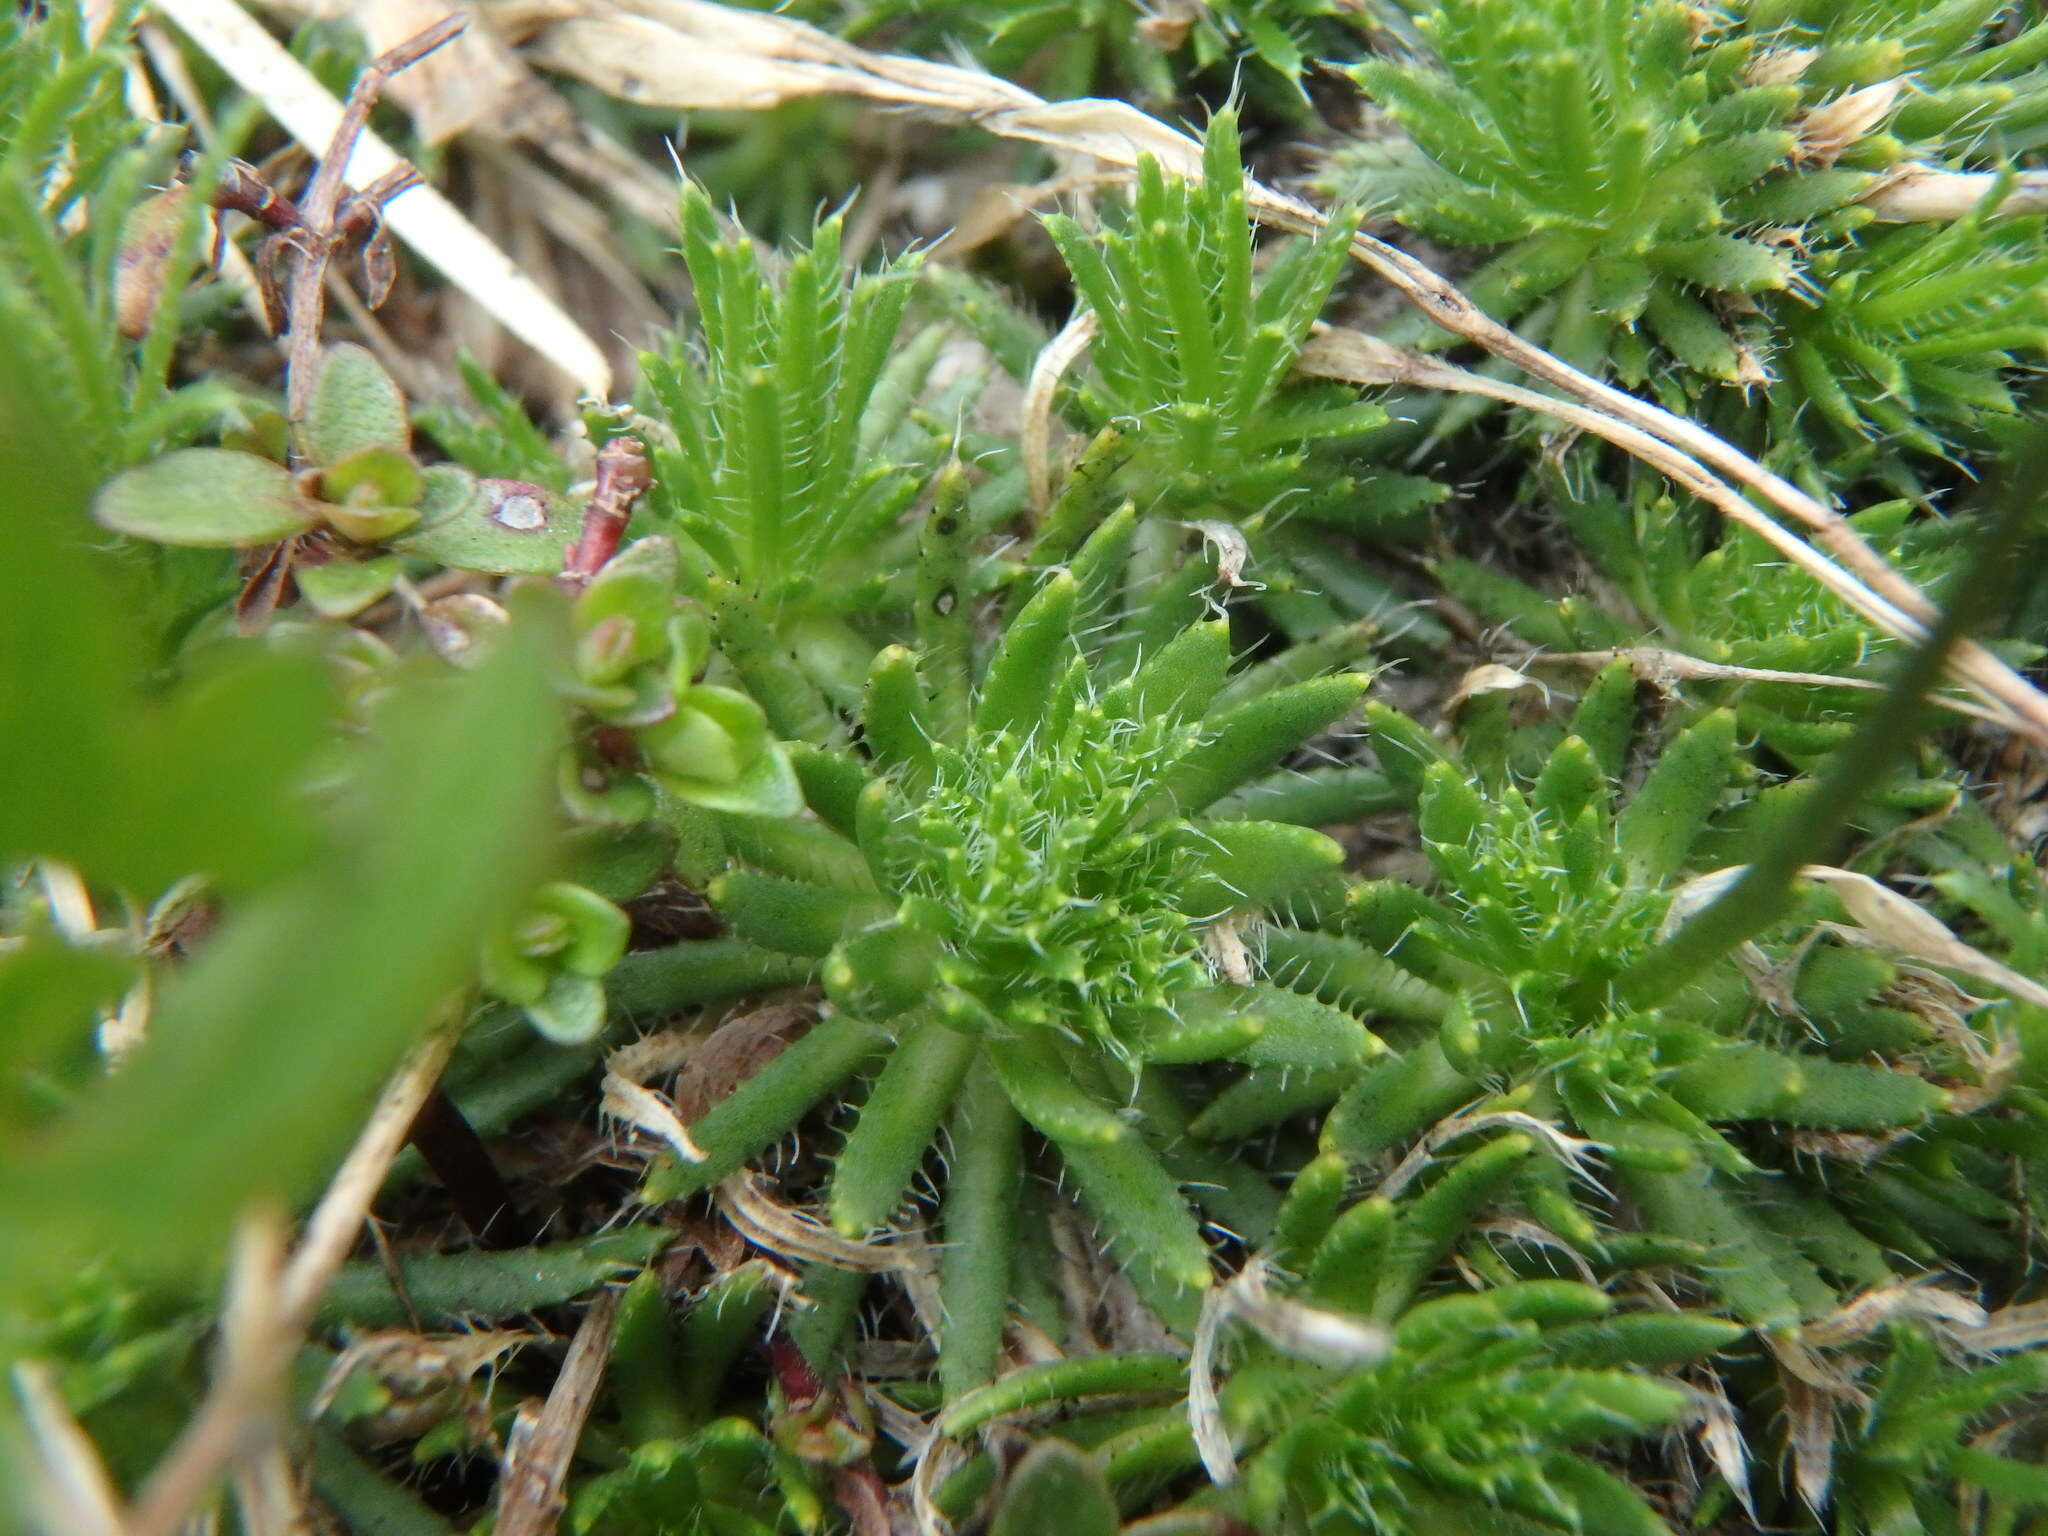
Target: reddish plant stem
[800,1384]
[243,190]
[312,245]
[622,479]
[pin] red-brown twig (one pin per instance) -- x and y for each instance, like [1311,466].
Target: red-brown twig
[242,189]
[622,479]
[308,233]
[322,222]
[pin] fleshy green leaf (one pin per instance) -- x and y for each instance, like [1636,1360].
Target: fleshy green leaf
[1056,1488]
[501,528]
[210,498]
[354,405]
[342,588]
[570,1011]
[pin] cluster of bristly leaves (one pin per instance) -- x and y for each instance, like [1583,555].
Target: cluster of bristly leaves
[1548,898]
[1193,364]
[1711,1104]
[1487,1411]
[781,481]
[1009,901]
[1664,185]
[1194,351]
[75,168]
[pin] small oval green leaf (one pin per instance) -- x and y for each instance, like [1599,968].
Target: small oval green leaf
[354,406]
[210,498]
[342,588]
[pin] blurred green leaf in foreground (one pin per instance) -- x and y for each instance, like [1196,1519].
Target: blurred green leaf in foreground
[347,917]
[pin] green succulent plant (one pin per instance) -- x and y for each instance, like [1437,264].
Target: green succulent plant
[1333,1389]
[1009,903]
[778,474]
[1545,896]
[1195,348]
[1192,370]
[1489,1412]
[1667,185]
[1927,1430]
